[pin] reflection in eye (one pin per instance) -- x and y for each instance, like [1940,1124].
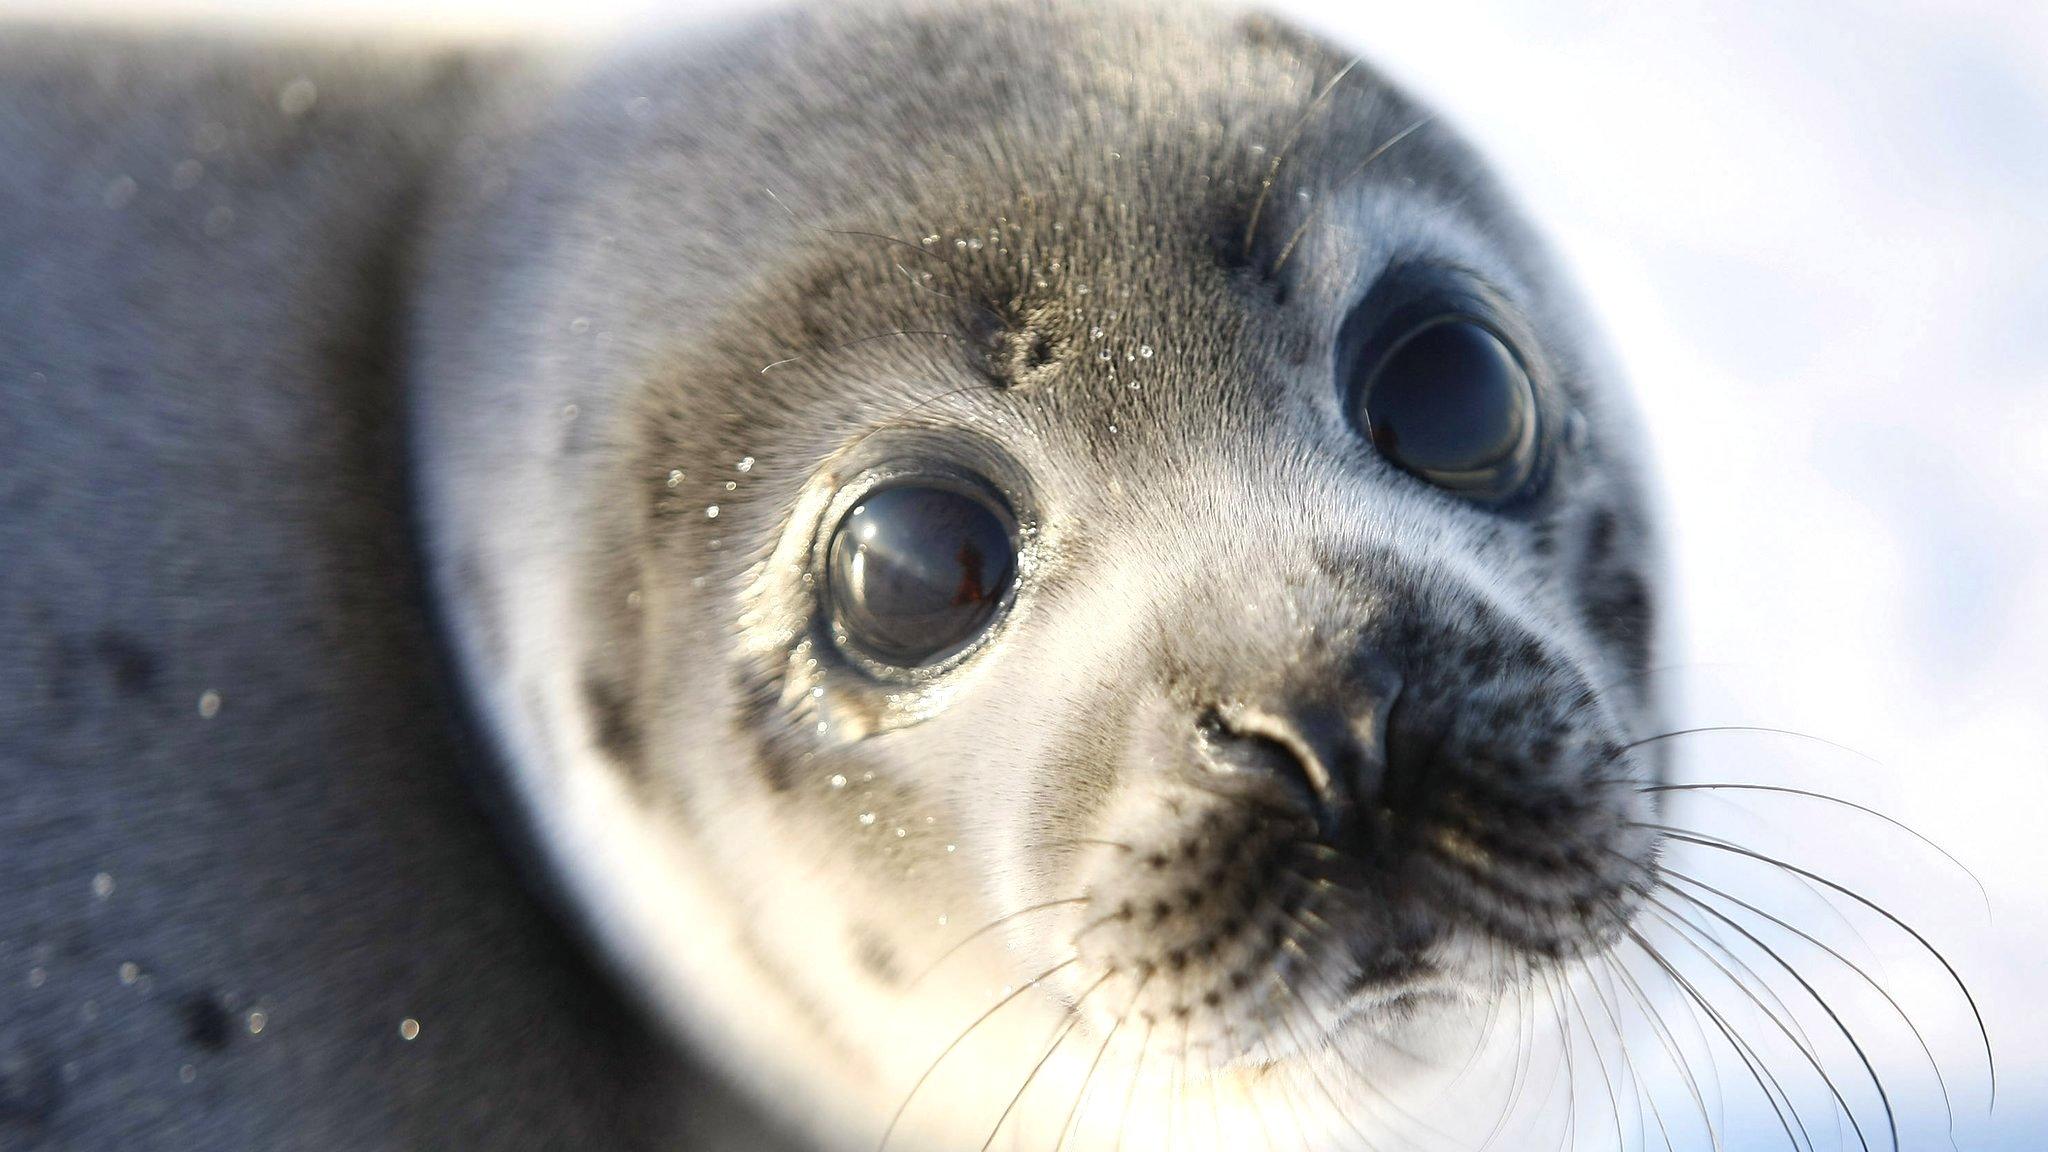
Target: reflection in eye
[1450,403]
[916,572]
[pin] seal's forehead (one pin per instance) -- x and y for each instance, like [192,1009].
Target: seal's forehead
[1150,133]
[873,102]
[1102,226]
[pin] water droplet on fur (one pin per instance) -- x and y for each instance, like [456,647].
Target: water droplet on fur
[746,464]
[408,1029]
[1145,352]
[256,1022]
[711,512]
[580,325]
[130,972]
[837,780]
[866,818]
[187,1073]
[103,885]
[1095,333]
[730,485]
[675,477]
[209,704]
[37,977]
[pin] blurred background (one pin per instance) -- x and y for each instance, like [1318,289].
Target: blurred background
[1817,237]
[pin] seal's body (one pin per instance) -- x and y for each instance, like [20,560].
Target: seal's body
[205,499]
[1041,574]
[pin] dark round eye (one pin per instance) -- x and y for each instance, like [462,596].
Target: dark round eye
[916,572]
[1450,402]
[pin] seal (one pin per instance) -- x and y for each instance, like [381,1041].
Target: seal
[1037,573]
[1023,560]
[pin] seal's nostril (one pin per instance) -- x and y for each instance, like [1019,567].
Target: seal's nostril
[1307,769]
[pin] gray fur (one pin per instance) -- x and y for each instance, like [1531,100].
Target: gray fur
[584,291]
[204,490]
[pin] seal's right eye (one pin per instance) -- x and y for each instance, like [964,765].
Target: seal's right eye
[917,571]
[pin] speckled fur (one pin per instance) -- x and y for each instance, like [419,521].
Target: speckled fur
[643,316]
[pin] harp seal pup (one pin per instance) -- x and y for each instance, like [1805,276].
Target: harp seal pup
[1043,573]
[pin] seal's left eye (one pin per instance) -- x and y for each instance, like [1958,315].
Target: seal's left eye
[917,571]
[1449,401]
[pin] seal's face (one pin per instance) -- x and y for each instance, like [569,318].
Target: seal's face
[1243,660]
[1150,596]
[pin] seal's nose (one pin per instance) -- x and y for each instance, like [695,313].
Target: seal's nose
[1321,747]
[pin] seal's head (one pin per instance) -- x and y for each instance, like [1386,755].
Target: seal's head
[1056,564]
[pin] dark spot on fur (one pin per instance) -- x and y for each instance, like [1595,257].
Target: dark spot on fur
[133,666]
[31,1089]
[1227,233]
[1600,539]
[618,730]
[758,723]
[876,957]
[776,771]
[207,1024]
[1618,611]
[820,307]
[1022,346]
